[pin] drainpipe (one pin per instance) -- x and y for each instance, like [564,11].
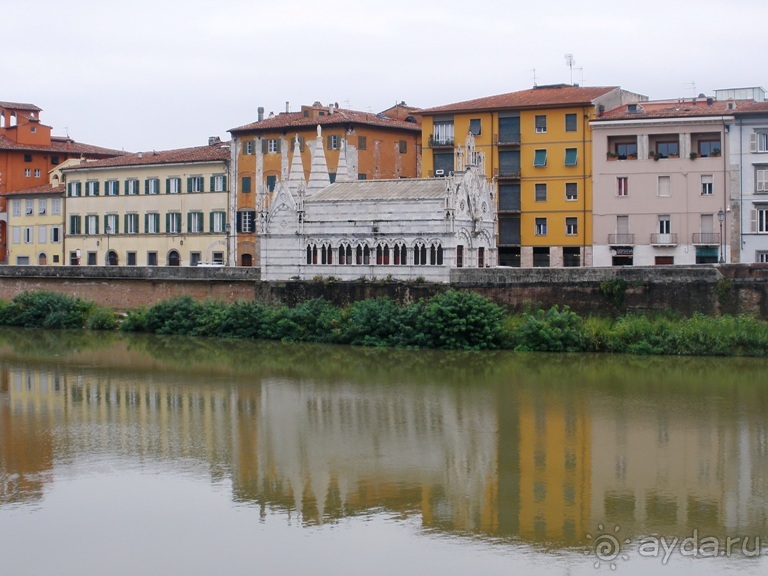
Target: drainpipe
[585,116]
[741,189]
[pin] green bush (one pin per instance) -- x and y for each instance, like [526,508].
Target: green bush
[553,330]
[460,321]
[376,322]
[135,320]
[101,318]
[45,310]
[178,315]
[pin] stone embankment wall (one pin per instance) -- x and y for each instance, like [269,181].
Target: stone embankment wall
[732,289]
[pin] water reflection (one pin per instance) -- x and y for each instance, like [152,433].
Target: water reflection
[530,448]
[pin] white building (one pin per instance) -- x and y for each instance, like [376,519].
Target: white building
[377,229]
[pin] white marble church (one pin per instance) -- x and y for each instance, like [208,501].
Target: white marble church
[377,229]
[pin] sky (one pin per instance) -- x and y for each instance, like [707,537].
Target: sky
[157,75]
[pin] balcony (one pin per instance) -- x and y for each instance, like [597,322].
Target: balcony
[440,141]
[706,239]
[507,138]
[621,239]
[512,172]
[664,240]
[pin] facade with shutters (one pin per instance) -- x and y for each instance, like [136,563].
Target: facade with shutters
[167,208]
[374,146]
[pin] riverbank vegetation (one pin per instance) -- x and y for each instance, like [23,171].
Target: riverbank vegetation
[452,320]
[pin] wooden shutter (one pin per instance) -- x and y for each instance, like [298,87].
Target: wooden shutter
[210,229]
[167,185]
[263,145]
[168,222]
[753,142]
[278,141]
[189,184]
[753,220]
[223,183]
[146,223]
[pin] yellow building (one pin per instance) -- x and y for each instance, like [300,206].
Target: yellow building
[538,145]
[167,208]
[36,226]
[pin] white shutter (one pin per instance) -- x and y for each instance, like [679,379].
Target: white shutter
[753,220]
[753,142]
[762,180]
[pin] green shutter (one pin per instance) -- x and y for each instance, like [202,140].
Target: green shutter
[189,222]
[246,184]
[167,185]
[168,222]
[223,183]
[96,221]
[125,221]
[213,182]
[210,229]
[146,223]
[189,184]
[97,188]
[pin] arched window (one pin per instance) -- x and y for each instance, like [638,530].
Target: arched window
[326,254]
[309,254]
[359,255]
[400,255]
[420,254]
[173,258]
[112,258]
[366,255]
[42,259]
[246,260]
[436,255]
[342,259]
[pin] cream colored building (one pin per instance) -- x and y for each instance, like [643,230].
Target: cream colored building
[36,226]
[167,208]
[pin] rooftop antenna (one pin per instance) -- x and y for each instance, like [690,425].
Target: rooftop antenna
[569,61]
[534,77]
[581,71]
[691,86]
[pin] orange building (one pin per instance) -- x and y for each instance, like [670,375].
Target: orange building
[373,146]
[28,152]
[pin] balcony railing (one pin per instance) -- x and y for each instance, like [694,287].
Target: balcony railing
[440,141]
[507,172]
[621,239]
[507,138]
[664,239]
[706,238]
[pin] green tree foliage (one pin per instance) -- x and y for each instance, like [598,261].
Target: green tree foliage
[45,310]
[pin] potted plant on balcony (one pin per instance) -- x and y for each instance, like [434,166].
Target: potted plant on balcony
[716,152]
[612,155]
[653,155]
[694,155]
[632,156]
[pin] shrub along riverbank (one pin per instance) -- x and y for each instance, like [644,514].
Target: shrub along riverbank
[451,320]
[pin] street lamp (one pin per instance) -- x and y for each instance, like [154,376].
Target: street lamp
[227,228]
[108,229]
[721,219]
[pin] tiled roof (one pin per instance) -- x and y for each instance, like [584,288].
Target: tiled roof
[37,190]
[59,144]
[400,189]
[539,97]
[683,108]
[20,106]
[750,108]
[339,116]
[216,153]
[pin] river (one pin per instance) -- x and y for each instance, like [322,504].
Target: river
[133,454]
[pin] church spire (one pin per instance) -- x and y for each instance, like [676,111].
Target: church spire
[318,172]
[342,172]
[296,175]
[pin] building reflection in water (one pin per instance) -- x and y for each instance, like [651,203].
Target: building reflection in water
[530,449]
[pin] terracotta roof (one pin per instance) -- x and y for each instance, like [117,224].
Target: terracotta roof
[20,106]
[539,97]
[683,108]
[372,190]
[215,153]
[750,108]
[339,116]
[37,190]
[59,144]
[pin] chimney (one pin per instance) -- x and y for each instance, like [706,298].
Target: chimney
[287,106]
[260,110]
[213,140]
[140,155]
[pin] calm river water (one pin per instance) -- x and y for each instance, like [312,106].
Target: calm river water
[146,456]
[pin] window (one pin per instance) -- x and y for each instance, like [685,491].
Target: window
[760,219]
[436,255]
[403,147]
[152,186]
[16,207]
[664,224]
[16,235]
[541,256]
[55,234]
[74,224]
[474,126]
[540,228]
[131,223]
[151,223]
[249,147]
[271,183]
[54,160]
[218,221]
[481,257]
[42,205]
[218,183]
[245,187]
[362,143]
[195,222]
[571,191]
[151,258]
[571,226]
[362,176]
[27,173]
[759,141]
[112,187]
[665,186]
[111,224]
[27,157]
[132,187]
[622,186]
[707,184]
[540,158]
[173,223]
[245,220]
[22,260]
[173,185]
[92,224]
[73,189]
[195,184]
[273,146]
[131,258]
[420,254]
[541,192]
[345,254]
[28,238]
[709,148]
[91,258]
[761,180]
[218,257]
[37,173]
[56,206]
[92,188]
[443,133]
[570,123]
[541,123]
[400,255]
[626,149]
[333,142]
[195,258]
[667,149]
[571,156]
[74,259]
[29,206]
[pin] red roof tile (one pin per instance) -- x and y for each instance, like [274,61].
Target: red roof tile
[215,153]
[339,116]
[37,190]
[59,144]
[539,97]
[20,106]
[683,108]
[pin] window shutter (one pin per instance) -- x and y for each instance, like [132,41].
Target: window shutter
[116,222]
[246,187]
[278,142]
[189,221]
[167,185]
[223,183]
[168,222]
[327,142]
[263,145]
[239,222]
[189,184]
[69,190]
[125,221]
[146,223]
[753,142]
[213,183]
[146,186]
[96,186]
[753,220]
[96,223]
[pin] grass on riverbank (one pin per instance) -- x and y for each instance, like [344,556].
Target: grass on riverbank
[451,320]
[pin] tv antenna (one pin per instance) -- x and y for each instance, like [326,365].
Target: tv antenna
[570,61]
[534,77]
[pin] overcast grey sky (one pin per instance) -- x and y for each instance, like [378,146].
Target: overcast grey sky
[151,74]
